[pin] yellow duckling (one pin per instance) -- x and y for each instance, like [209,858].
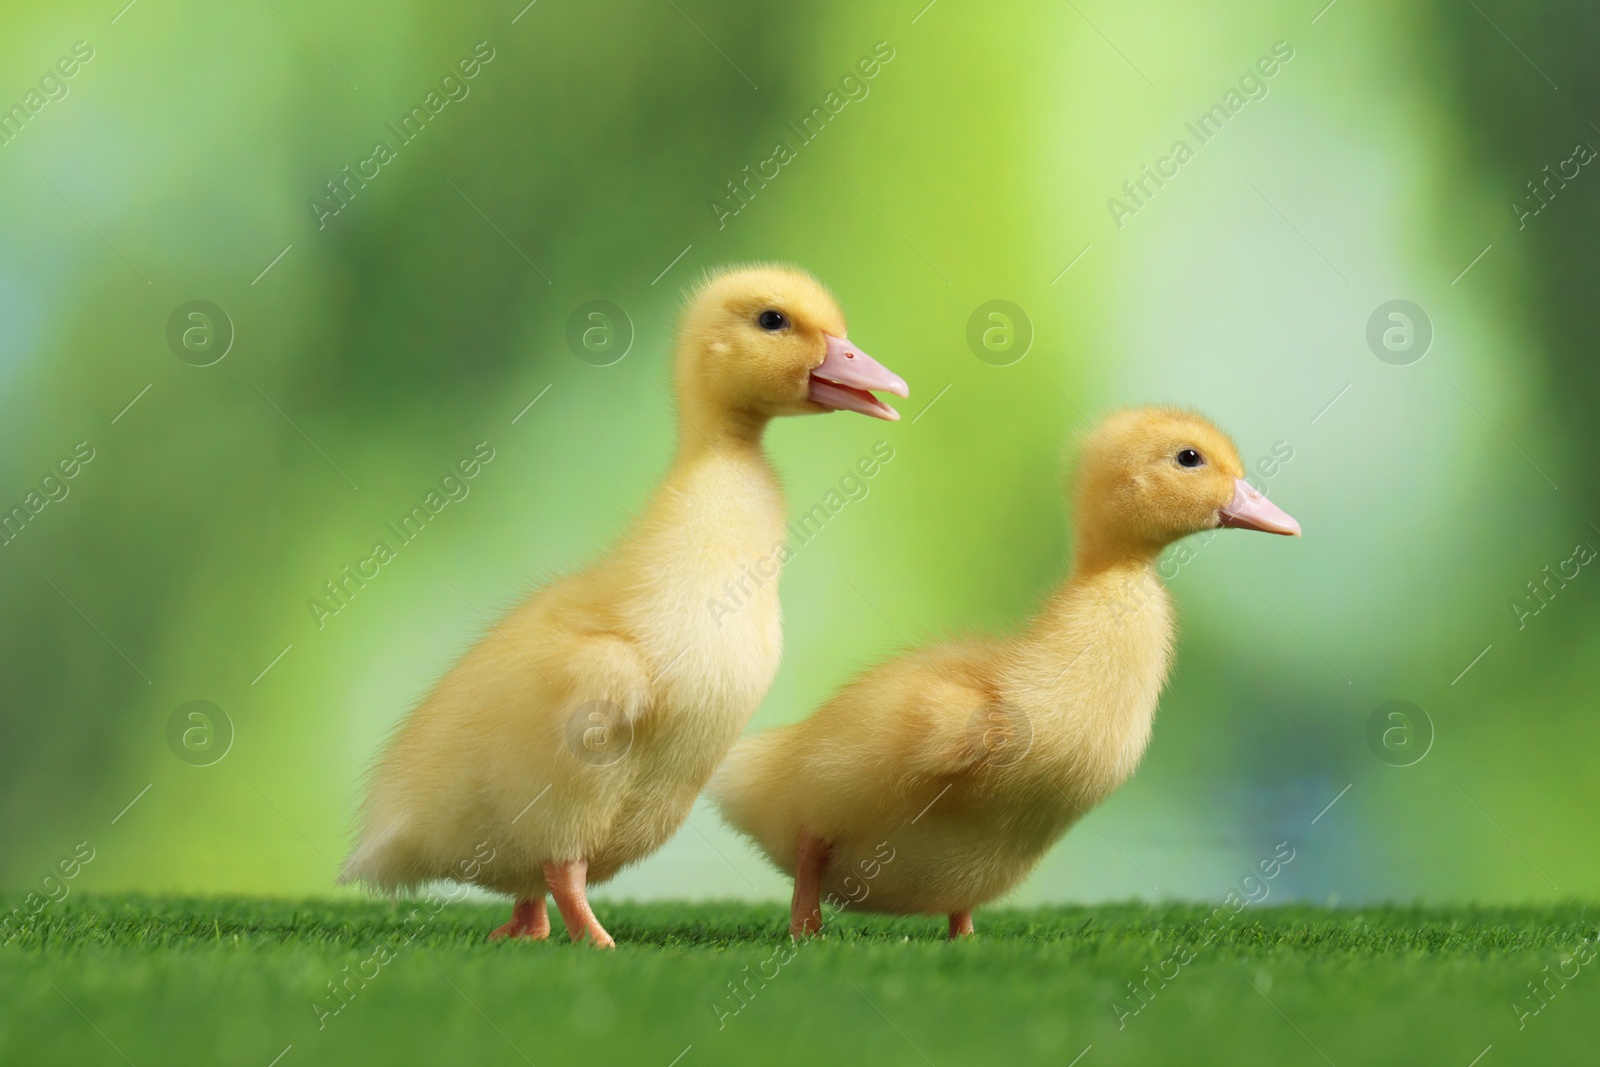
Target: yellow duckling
[938,780]
[574,737]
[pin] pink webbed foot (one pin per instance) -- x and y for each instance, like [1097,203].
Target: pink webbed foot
[805,910]
[960,924]
[529,919]
[567,882]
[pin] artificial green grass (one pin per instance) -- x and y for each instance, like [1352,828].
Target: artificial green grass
[147,981]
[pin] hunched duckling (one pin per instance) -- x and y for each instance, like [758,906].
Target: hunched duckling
[935,782]
[573,738]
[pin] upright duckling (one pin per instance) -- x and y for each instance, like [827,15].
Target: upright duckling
[938,780]
[574,737]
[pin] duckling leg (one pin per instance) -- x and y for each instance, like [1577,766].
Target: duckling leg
[960,924]
[805,910]
[566,882]
[529,919]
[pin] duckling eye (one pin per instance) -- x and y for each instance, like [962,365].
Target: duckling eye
[1189,458]
[772,320]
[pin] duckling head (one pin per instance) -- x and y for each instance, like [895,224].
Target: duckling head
[764,341]
[1149,476]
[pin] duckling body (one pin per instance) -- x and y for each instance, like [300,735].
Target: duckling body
[984,753]
[574,737]
[965,762]
[632,632]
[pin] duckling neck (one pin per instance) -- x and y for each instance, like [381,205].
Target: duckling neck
[705,432]
[1092,665]
[716,514]
[1093,555]
[722,490]
[1115,608]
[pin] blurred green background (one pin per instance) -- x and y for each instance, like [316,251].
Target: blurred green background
[1383,162]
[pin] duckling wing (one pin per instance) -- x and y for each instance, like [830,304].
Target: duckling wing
[865,759]
[934,714]
[515,719]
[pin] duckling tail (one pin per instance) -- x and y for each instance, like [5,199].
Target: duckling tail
[375,862]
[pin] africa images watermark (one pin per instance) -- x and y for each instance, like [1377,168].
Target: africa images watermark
[1542,193]
[853,486]
[355,976]
[1252,888]
[55,887]
[53,488]
[856,890]
[454,86]
[351,579]
[1252,86]
[1543,590]
[53,88]
[853,86]
[1550,985]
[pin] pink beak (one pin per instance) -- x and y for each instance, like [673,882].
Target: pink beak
[843,381]
[1249,510]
